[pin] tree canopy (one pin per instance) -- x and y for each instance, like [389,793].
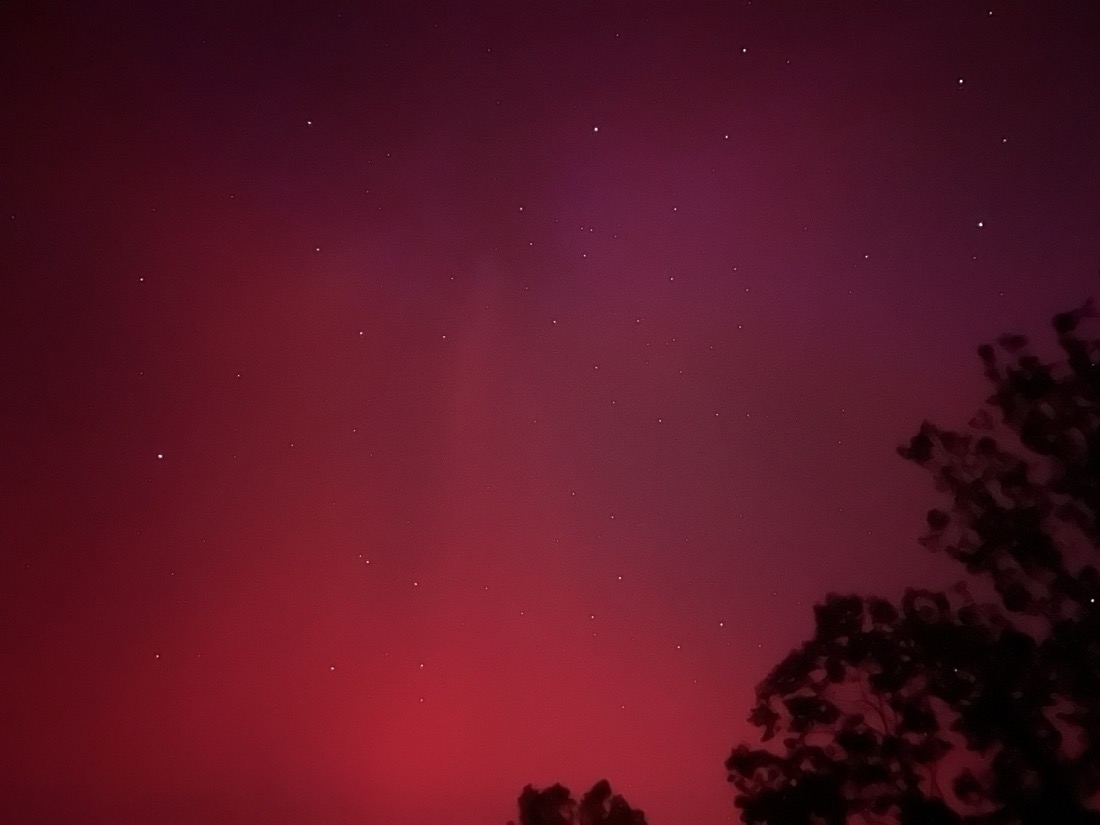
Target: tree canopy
[556,806]
[947,709]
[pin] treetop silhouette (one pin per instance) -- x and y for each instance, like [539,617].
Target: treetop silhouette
[556,806]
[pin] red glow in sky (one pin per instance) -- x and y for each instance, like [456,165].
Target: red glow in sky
[405,402]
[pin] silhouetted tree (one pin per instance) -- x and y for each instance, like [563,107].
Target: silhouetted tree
[600,807]
[943,710]
[552,806]
[555,806]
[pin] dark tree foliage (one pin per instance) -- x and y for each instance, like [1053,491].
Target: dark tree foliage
[551,806]
[943,710]
[600,807]
[556,806]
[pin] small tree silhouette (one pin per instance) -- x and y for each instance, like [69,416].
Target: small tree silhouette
[556,806]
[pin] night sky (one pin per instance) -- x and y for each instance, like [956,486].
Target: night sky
[403,403]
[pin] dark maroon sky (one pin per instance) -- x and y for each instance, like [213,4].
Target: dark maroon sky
[405,404]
